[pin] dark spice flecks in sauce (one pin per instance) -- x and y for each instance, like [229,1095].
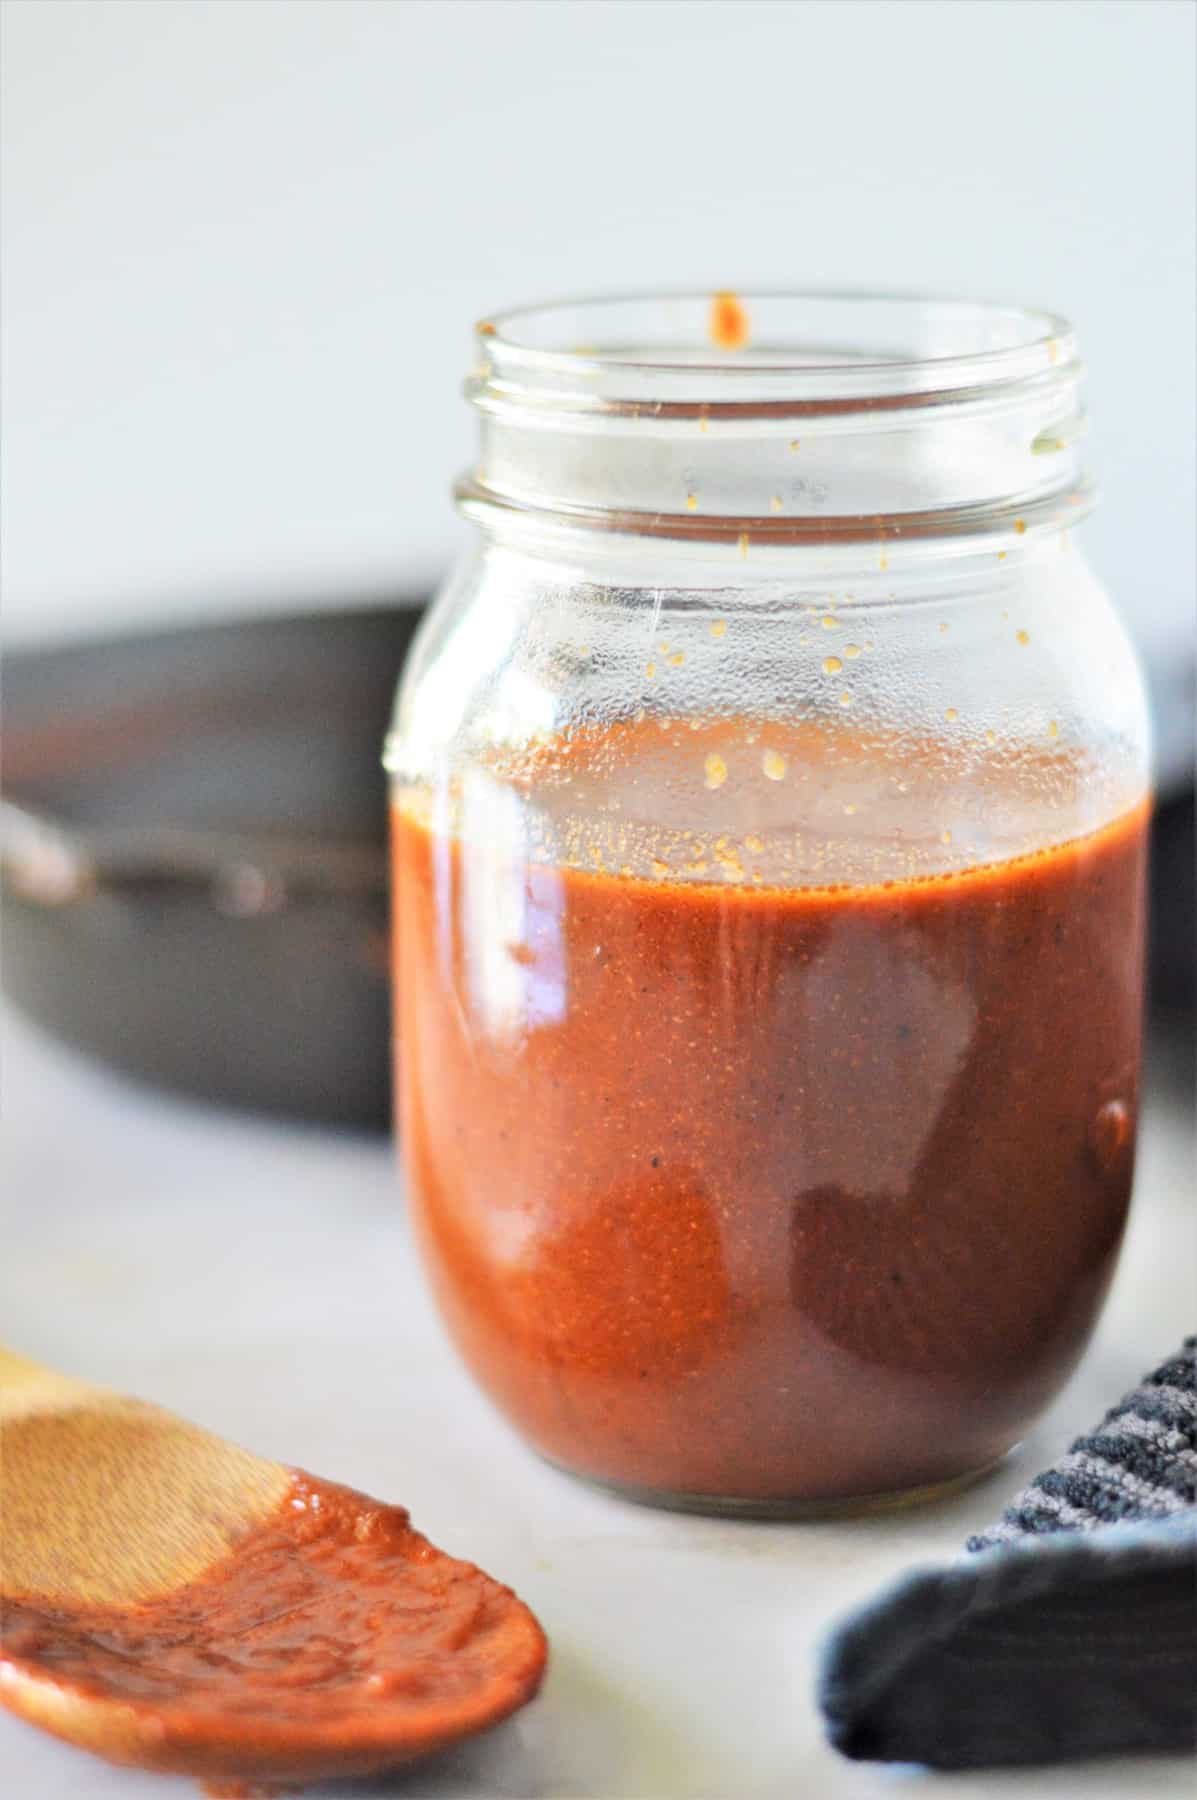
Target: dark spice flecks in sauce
[734,1188]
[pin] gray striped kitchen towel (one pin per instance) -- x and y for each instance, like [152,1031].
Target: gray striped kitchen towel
[1068,1629]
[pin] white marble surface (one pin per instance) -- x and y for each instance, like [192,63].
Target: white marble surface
[259,1278]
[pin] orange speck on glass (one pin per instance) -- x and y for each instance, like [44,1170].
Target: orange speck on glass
[1020,526]
[728,326]
[1024,637]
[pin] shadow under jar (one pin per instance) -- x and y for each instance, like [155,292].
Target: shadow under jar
[769,819]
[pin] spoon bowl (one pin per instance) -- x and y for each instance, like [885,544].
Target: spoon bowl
[169,1600]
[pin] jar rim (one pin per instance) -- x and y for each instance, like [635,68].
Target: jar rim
[777,417]
[769,345]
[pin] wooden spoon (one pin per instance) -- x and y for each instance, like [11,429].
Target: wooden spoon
[169,1600]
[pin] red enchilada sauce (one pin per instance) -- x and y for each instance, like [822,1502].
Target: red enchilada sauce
[332,1638]
[736,1184]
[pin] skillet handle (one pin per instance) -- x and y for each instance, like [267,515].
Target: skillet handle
[50,863]
[41,860]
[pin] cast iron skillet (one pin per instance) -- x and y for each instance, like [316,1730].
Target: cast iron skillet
[192,858]
[192,855]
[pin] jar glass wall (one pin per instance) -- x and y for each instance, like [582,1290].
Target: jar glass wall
[769,822]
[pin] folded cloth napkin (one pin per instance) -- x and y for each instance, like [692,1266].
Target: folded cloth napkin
[1068,1629]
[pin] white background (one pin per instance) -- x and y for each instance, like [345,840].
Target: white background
[244,241]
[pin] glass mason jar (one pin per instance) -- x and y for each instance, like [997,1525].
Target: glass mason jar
[770,807]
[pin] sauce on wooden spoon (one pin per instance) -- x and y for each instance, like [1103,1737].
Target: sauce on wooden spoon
[330,1637]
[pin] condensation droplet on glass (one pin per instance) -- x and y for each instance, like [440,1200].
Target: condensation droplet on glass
[774,765]
[714,770]
[851,650]
[717,627]
[832,665]
[951,715]
[845,699]
[1024,637]
[691,502]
